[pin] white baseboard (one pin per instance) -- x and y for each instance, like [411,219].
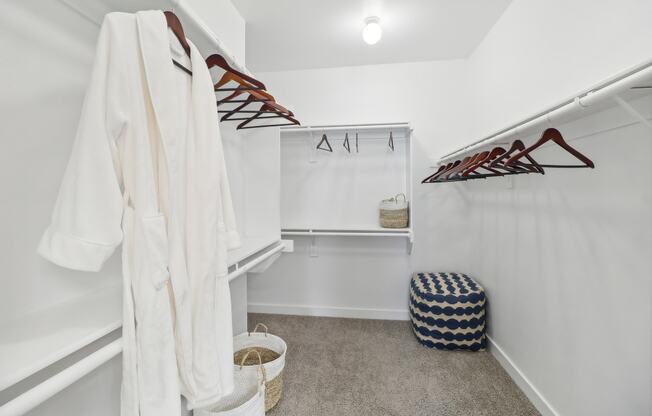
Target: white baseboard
[535,396]
[331,311]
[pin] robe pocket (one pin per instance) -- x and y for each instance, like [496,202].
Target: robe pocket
[156,239]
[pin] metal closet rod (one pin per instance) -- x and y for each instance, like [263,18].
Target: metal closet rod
[606,89]
[352,128]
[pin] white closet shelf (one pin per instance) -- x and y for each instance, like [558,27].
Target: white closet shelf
[33,342]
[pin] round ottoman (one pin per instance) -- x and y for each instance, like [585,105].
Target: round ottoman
[448,311]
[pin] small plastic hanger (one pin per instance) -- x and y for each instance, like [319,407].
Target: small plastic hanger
[391,141]
[357,150]
[323,140]
[346,143]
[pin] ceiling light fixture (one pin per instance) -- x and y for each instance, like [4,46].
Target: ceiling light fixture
[372,32]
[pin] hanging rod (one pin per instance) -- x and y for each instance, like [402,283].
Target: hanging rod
[55,384]
[606,89]
[349,127]
[255,262]
[405,232]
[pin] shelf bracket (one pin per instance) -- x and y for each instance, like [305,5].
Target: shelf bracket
[632,111]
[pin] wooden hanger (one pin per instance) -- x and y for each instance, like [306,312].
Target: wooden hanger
[551,134]
[517,145]
[244,85]
[486,157]
[466,162]
[324,139]
[495,152]
[266,108]
[218,60]
[254,96]
[440,171]
[174,24]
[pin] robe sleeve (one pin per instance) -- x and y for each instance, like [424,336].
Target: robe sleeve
[86,227]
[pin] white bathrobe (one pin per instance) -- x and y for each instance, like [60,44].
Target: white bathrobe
[147,170]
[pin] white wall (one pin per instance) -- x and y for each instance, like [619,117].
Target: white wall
[565,261]
[364,276]
[564,257]
[48,50]
[557,253]
[542,52]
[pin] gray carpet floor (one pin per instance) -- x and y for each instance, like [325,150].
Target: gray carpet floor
[356,367]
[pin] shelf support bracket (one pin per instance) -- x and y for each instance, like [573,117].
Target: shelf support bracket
[632,111]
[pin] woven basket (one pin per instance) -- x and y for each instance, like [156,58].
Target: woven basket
[394,212]
[248,396]
[272,350]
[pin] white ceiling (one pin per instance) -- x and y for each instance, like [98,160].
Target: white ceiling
[301,34]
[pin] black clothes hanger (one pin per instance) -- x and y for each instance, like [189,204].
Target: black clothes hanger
[357,150]
[346,143]
[391,141]
[324,139]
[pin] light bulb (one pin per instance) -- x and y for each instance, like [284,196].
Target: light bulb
[372,32]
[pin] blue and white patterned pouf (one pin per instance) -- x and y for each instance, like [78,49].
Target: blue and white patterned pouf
[448,311]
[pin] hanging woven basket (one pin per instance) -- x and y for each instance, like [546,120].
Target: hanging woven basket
[394,212]
[272,350]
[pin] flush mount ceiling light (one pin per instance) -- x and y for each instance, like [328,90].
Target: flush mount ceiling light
[372,32]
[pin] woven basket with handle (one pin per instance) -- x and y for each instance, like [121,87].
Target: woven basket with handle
[248,396]
[394,212]
[272,350]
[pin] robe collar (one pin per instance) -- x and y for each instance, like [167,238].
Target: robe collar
[157,62]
